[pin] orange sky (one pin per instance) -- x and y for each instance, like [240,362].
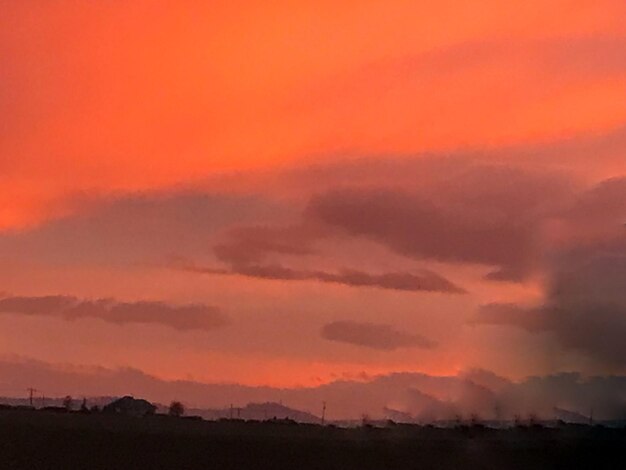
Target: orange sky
[137,136]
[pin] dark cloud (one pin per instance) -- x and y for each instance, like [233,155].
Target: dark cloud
[246,249]
[584,308]
[566,396]
[549,396]
[181,317]
[604,201]
[531,319]
[416,227]
[597,215]
[468,216]
[373,335]
[422,281]
[252,244]
[585,299]
[453,211]
[442,209]
[425,280]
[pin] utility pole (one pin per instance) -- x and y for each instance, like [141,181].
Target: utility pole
[231,411]
[323,412]
[31,391]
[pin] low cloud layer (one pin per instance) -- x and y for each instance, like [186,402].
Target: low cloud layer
[404,396]
[373,335]
[179,317]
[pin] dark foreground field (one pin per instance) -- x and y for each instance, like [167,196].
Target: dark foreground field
[43,440]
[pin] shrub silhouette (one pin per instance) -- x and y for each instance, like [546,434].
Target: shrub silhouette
[68,402]
[176,409]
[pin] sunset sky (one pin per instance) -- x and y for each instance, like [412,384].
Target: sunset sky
[294,193]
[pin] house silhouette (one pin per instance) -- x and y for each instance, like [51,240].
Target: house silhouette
[130,406]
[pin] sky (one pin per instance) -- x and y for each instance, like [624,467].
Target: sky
[291,194]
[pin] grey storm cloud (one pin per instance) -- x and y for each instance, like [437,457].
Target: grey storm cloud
[373,335]
[584,305]
[180,317]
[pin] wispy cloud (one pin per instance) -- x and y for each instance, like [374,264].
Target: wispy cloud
[373,335]
[180,317]
[422,281]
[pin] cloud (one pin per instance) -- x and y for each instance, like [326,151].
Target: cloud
[585,308]
[421,281]
[247,248]
[442,209]
[181,317]
[413,226]
[137,228]
[372,335]
[584,304]
[471,216]
[250,244]
[598,213]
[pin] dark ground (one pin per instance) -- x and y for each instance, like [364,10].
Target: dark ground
[48,440]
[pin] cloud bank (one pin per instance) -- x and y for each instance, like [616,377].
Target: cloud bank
[471,215]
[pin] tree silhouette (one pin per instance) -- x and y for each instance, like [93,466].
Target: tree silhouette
[68,403]
[176,409]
